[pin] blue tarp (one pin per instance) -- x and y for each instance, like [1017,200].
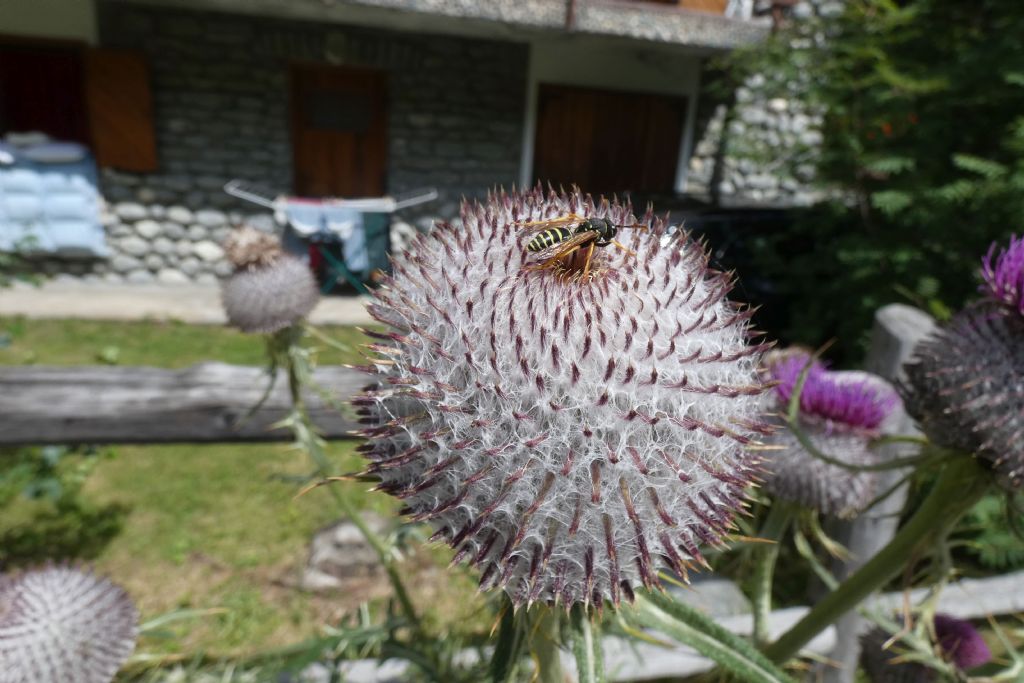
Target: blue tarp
[49,202]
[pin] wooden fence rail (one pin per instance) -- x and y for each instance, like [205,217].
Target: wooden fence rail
[207,402]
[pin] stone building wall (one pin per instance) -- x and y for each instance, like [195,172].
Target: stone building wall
[753,149]
[220,90]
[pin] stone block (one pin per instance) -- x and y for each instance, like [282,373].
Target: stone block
[190,266]
[133,245]
[170,276]
[148,228]
[208,251]
[197,232]
[339,553]
[130,211]
[163,246]
[174,231]
[139,277]
[211,218]
[123,263]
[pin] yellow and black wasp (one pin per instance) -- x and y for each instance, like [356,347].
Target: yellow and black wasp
[557,239]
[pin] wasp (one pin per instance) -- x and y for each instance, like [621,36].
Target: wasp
[557,238]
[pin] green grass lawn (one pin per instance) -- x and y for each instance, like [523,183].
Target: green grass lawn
[212,525]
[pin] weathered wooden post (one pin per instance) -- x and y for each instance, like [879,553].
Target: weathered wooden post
[897,330]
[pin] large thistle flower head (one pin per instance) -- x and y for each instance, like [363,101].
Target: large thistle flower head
[965,384]
[568,435]
[957,642]
[840,413]
[269,290]
[63,624]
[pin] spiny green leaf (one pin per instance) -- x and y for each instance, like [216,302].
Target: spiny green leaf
[694,628]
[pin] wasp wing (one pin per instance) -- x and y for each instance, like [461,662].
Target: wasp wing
[557,251]
[568,221]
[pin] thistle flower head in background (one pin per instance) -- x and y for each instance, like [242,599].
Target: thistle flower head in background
[1003,275]
[569,436]
[840,412]
[63,624]
[247,247]
[960,642]
[957,642]
[269,290]
[965,383]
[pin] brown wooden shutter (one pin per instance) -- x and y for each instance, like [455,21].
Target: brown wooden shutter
[712,6]
[120,107]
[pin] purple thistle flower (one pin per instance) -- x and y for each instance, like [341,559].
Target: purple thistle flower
[839,413]
[858,403]
[1004,275]
[568,436]
[965,387]
[960,642]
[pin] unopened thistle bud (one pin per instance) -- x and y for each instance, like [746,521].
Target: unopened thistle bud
[840,413]
[957,642]
[63,624]
[965,384]
[269,290]
[568,435]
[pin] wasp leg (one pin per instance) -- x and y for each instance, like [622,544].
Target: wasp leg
[586,262]
[623,247]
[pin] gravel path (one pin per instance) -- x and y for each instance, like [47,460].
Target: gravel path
[185,303]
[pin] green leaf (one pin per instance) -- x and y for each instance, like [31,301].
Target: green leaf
[1014,78]
[510,646]
[890,202]
[694,628]
[586,646]
[159,622]
[983,167]
[890,165]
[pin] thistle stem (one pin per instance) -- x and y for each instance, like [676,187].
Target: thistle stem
[544,646]
[962,482]
[305,433]
[765,557]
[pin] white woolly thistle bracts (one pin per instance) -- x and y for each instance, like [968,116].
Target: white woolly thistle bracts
[63,624]
[269,290]
[568,436]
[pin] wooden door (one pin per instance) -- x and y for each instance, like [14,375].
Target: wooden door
[607,141]
[120,106]
[339,131]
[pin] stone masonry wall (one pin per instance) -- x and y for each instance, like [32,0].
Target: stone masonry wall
[220,90]
[725,169]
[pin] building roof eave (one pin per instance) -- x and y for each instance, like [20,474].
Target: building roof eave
[522,20]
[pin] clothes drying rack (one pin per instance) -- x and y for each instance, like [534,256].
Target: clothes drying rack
[374,222]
